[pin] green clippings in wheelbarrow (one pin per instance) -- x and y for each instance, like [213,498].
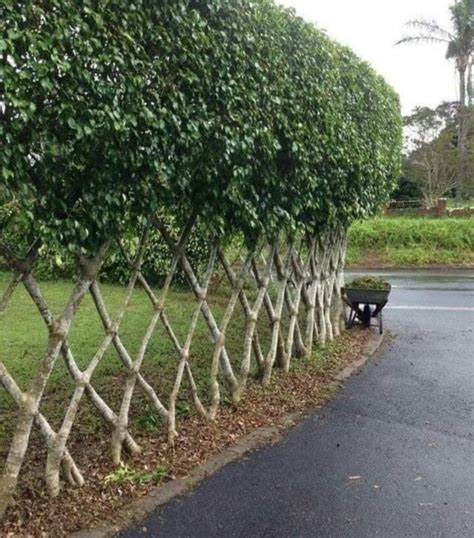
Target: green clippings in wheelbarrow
[368,282]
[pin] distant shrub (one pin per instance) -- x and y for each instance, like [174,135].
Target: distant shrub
[157,258]
[57,264]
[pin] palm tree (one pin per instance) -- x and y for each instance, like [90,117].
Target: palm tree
[460,48]
[459,40]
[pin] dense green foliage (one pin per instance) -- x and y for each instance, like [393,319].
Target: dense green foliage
[157,263]
[236,110]
[407,190]
[411,241]
[55,262]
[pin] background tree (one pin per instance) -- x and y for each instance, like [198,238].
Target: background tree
[407,189]
[460,48]
[433,152]
[459,40]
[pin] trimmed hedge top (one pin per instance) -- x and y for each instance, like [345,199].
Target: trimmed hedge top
[235,109]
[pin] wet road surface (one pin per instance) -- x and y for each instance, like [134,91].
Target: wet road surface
[391,456]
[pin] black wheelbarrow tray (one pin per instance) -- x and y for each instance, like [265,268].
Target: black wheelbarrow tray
[373,302]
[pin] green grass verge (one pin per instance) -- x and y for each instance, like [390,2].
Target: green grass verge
[411,242]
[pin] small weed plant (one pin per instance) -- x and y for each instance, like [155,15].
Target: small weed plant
[124,473]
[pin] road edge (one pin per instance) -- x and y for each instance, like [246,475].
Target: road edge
[442,267]
[138,510]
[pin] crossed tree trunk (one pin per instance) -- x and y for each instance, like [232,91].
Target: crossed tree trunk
[295,289]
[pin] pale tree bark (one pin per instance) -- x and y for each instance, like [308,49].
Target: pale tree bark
[276,314]
[8,292]
[305,273]
[58,446]
[261,282]
[325,329]
[29,407]
[20,268]
[22,272]
[333,246]
[293,344]
[293,309]
[184,351]
[463,66]
[338,280]
[225,364]
[312,325]
[133,367]
[244,302]
[470,83]
[77,375]
[69,467]
[292,304]
[300,284]
[251,324]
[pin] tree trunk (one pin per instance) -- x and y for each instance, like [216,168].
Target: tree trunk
[462,133]
[58,332]
[470,88]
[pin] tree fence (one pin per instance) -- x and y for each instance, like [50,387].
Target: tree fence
[299,282]
[223,119]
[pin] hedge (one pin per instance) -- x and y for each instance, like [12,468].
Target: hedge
[238,110]
[226,118]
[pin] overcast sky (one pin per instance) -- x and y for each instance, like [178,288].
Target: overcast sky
[419,73]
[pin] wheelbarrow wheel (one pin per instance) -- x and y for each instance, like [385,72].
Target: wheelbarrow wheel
[366,315]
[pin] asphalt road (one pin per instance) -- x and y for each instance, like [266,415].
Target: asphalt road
[404,426]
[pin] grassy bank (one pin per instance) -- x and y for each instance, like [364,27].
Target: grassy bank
[405,242]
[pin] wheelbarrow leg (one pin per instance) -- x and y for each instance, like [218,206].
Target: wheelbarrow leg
[380,319]
[350,318]
[349,315]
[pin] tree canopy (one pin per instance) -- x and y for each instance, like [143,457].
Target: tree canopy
[236,110]
[433,153]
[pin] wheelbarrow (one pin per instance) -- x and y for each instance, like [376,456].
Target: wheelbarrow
[364,305]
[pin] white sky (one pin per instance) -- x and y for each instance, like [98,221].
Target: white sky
[419,73]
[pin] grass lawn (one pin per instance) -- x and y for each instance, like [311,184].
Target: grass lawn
[23,336]
[401,241]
